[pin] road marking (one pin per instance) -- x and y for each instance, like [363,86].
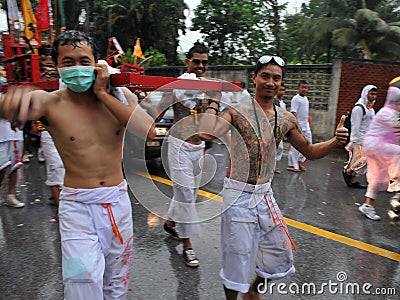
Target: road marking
[343,239]
[169,182]
[302,226]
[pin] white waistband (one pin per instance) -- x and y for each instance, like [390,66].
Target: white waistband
[185,145]
[247,187]
[99,195]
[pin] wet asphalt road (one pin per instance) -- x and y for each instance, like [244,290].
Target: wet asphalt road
[339,250]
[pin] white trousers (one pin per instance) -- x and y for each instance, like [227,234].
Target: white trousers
[10,155]
[253,233]
[382,167]
[279,151]
[54,166]
[95,259]
[185,165]
[294,156]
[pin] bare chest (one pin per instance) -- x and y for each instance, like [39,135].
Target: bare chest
[83,125]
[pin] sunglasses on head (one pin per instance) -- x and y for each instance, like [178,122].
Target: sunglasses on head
[265,59]
[198,61]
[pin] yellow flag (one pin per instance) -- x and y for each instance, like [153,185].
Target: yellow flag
[138,50]
[29,19]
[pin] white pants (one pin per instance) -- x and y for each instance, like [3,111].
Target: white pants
[10,154]
[185,165]
[253,232]
[294,156]
[54,166]
[279,151]
[5,159]
[95,262]
[382,167]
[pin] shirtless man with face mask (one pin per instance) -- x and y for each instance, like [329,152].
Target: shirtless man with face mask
[87,125]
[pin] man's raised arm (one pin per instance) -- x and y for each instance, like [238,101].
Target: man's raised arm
[319,150]
[22,103]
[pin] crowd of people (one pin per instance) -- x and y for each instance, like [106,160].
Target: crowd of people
[84,169]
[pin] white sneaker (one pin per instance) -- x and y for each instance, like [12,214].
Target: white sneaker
[190,258]
[394,186]
[12,201]
[369,212]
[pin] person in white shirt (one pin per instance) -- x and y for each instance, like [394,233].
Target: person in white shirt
[361,117]
[243,95]
[278,101]
[299,107]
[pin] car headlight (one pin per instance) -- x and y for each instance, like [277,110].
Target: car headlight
[161,130]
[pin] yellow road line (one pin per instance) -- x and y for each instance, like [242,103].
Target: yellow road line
[169,182]
[344,240]
[302,226]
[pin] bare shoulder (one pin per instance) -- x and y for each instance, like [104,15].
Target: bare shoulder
[287,122]
[54,96]
[238,109]
[285,113]
[36,103]
[43,96]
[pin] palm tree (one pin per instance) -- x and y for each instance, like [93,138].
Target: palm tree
[364,35]
[369,34]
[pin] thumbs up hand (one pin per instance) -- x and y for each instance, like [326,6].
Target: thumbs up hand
[341,133]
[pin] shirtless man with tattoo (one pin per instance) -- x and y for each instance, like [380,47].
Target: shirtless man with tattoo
[253,231]
[87,125]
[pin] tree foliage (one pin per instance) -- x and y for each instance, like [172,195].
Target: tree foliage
[72,12]
[361,29]
[365,32]
[153,56]
[157,23]
[237,31]
[240,31]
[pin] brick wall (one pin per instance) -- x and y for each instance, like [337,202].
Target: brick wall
[355,74]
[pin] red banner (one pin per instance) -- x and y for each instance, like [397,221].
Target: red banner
[42,15]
